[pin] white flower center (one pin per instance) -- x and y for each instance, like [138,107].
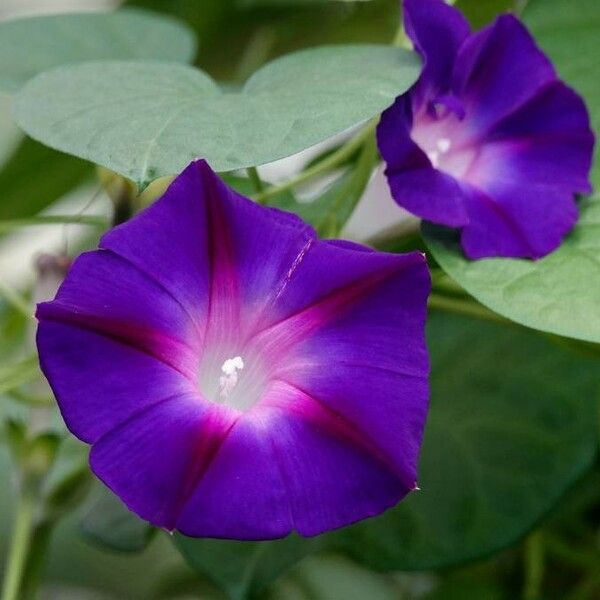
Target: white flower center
[230,377]
[442,145]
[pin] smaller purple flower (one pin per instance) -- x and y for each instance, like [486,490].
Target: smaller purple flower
[236,376]
[489,140]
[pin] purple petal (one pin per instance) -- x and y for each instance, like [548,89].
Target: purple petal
[500,154]
[498,70]
[100,382]
[517,221]
[414,183]
[547,141]
[430,194]
[176,256]
[153,460]
[374,346]
[107,294]
[242,494]
[437,32]
[332,475]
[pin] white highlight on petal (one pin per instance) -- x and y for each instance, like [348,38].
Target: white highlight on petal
[444,145]
[434,158]
[230,377]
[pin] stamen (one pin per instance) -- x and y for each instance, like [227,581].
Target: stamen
[443,145]
[230,377]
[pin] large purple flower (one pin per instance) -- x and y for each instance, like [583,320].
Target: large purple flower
[236,376]
[489,140]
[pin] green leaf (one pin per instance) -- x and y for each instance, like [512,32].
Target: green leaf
[155,118]
[109,524]
[569,33]
[8,225]
[512,426]
[288,3]
[17,374]
[336,578]
[317,212]
[482,13]
[253,36]
[35,176]
[68,493]
[559,293]
[242,569]
[32,45]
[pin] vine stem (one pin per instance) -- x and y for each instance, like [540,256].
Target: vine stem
[534,566]
[463,307]
[335,159]
[19,549]
[254,177]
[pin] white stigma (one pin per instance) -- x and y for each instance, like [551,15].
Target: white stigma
[443,145]
[230,377]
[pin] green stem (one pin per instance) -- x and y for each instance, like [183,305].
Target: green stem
[580,557]
[335,159]
[255,179]
[351,193]
[464,307]
[520,6]
[19,549]
[401,40]
[16,300]
[8,225]
[442,283]
[36,559]
[586,589]
[534,566]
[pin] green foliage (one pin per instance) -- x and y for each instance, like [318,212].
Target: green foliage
[330,208]
[512,425]
[30,46]
[155,117]
[243,569]
[558,293]
[334,578]
[287,3]
[258,33]
[16,374]
[482,13]
[35,176]
[110,525]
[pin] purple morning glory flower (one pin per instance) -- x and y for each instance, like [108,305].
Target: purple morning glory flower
[489,140]
[236,376]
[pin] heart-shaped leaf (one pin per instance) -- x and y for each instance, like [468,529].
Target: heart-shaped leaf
[32,45]
[145,120]
[559,293]
[511,428]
